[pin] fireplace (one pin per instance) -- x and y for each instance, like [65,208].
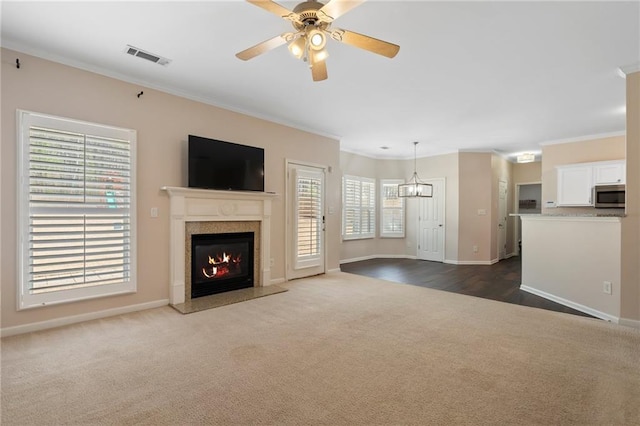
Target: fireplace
[201,211]
[221,262]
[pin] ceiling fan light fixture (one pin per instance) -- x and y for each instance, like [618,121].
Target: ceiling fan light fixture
[297,47]
[414,188]
[318,55]
[317,39]
[312,20]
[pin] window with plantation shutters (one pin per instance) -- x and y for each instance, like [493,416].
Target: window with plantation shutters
[391,209]
[309,218]
[358,207]
[77,210]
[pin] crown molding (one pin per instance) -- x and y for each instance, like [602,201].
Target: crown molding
[629,69]
[584,138]
[63,60]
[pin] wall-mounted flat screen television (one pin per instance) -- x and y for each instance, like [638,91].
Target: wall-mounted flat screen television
[221,165]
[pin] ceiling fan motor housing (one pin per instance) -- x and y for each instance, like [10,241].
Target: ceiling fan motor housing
[307,12]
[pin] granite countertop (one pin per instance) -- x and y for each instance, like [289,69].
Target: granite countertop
[586,215]
[570,214]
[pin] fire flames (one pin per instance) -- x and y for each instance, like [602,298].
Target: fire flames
[222,265]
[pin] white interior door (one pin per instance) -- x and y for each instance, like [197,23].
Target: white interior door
[431,224]
[502,220]
[305,221]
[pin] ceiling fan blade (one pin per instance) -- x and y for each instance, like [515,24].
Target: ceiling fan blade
[336,8]
[276,9]
[317,63]
[319,71]
[263,47]
[365,42]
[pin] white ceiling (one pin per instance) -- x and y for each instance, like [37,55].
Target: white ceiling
[471,76]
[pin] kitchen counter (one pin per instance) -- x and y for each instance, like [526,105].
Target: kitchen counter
[568,215]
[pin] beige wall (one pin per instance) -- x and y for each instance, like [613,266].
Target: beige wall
[442,166]
[476,192]
[527,172]
[630,292]
[602,149]
[471,184]
[163,123]
[358,165]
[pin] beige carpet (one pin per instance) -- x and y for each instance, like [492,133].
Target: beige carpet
[336,350]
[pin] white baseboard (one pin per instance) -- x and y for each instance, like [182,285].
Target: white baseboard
[276,281]
[406,256]
[74,319]
[470,262]
[570,304]
[333,270]
[629,323]
[377,256]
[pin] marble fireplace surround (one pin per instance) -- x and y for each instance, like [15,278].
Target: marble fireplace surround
[194,211]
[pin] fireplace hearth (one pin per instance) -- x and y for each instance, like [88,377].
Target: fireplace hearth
[221,262]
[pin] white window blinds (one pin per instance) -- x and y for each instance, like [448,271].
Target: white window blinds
[391,209]
[78,209]
[358,207]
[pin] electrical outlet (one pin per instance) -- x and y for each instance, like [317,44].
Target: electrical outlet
[475,249]
[271,262]
[606,287]
[154,212]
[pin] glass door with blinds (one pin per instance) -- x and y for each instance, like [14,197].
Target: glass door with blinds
[305,221]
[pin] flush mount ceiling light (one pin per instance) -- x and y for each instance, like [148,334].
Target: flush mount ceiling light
[312,21]
[415,188]
[527,157]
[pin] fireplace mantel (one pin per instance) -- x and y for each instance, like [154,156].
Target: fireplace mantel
[204,205]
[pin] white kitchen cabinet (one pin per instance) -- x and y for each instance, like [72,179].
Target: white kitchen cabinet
[575,184]
[610,172]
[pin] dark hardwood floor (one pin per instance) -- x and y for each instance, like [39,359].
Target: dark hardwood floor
[500,281]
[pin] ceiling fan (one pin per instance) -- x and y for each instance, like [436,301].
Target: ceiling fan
[312,21]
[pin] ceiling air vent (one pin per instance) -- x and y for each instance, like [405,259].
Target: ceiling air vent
[134,51]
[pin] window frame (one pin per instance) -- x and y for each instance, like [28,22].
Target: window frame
[392,234]
[25,299]
[359,208]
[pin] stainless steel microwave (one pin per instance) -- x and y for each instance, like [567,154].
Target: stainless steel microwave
[609,196]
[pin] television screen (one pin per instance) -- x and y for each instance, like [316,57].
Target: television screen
[215,164]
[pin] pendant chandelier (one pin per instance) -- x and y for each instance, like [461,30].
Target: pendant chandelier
[414,187]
